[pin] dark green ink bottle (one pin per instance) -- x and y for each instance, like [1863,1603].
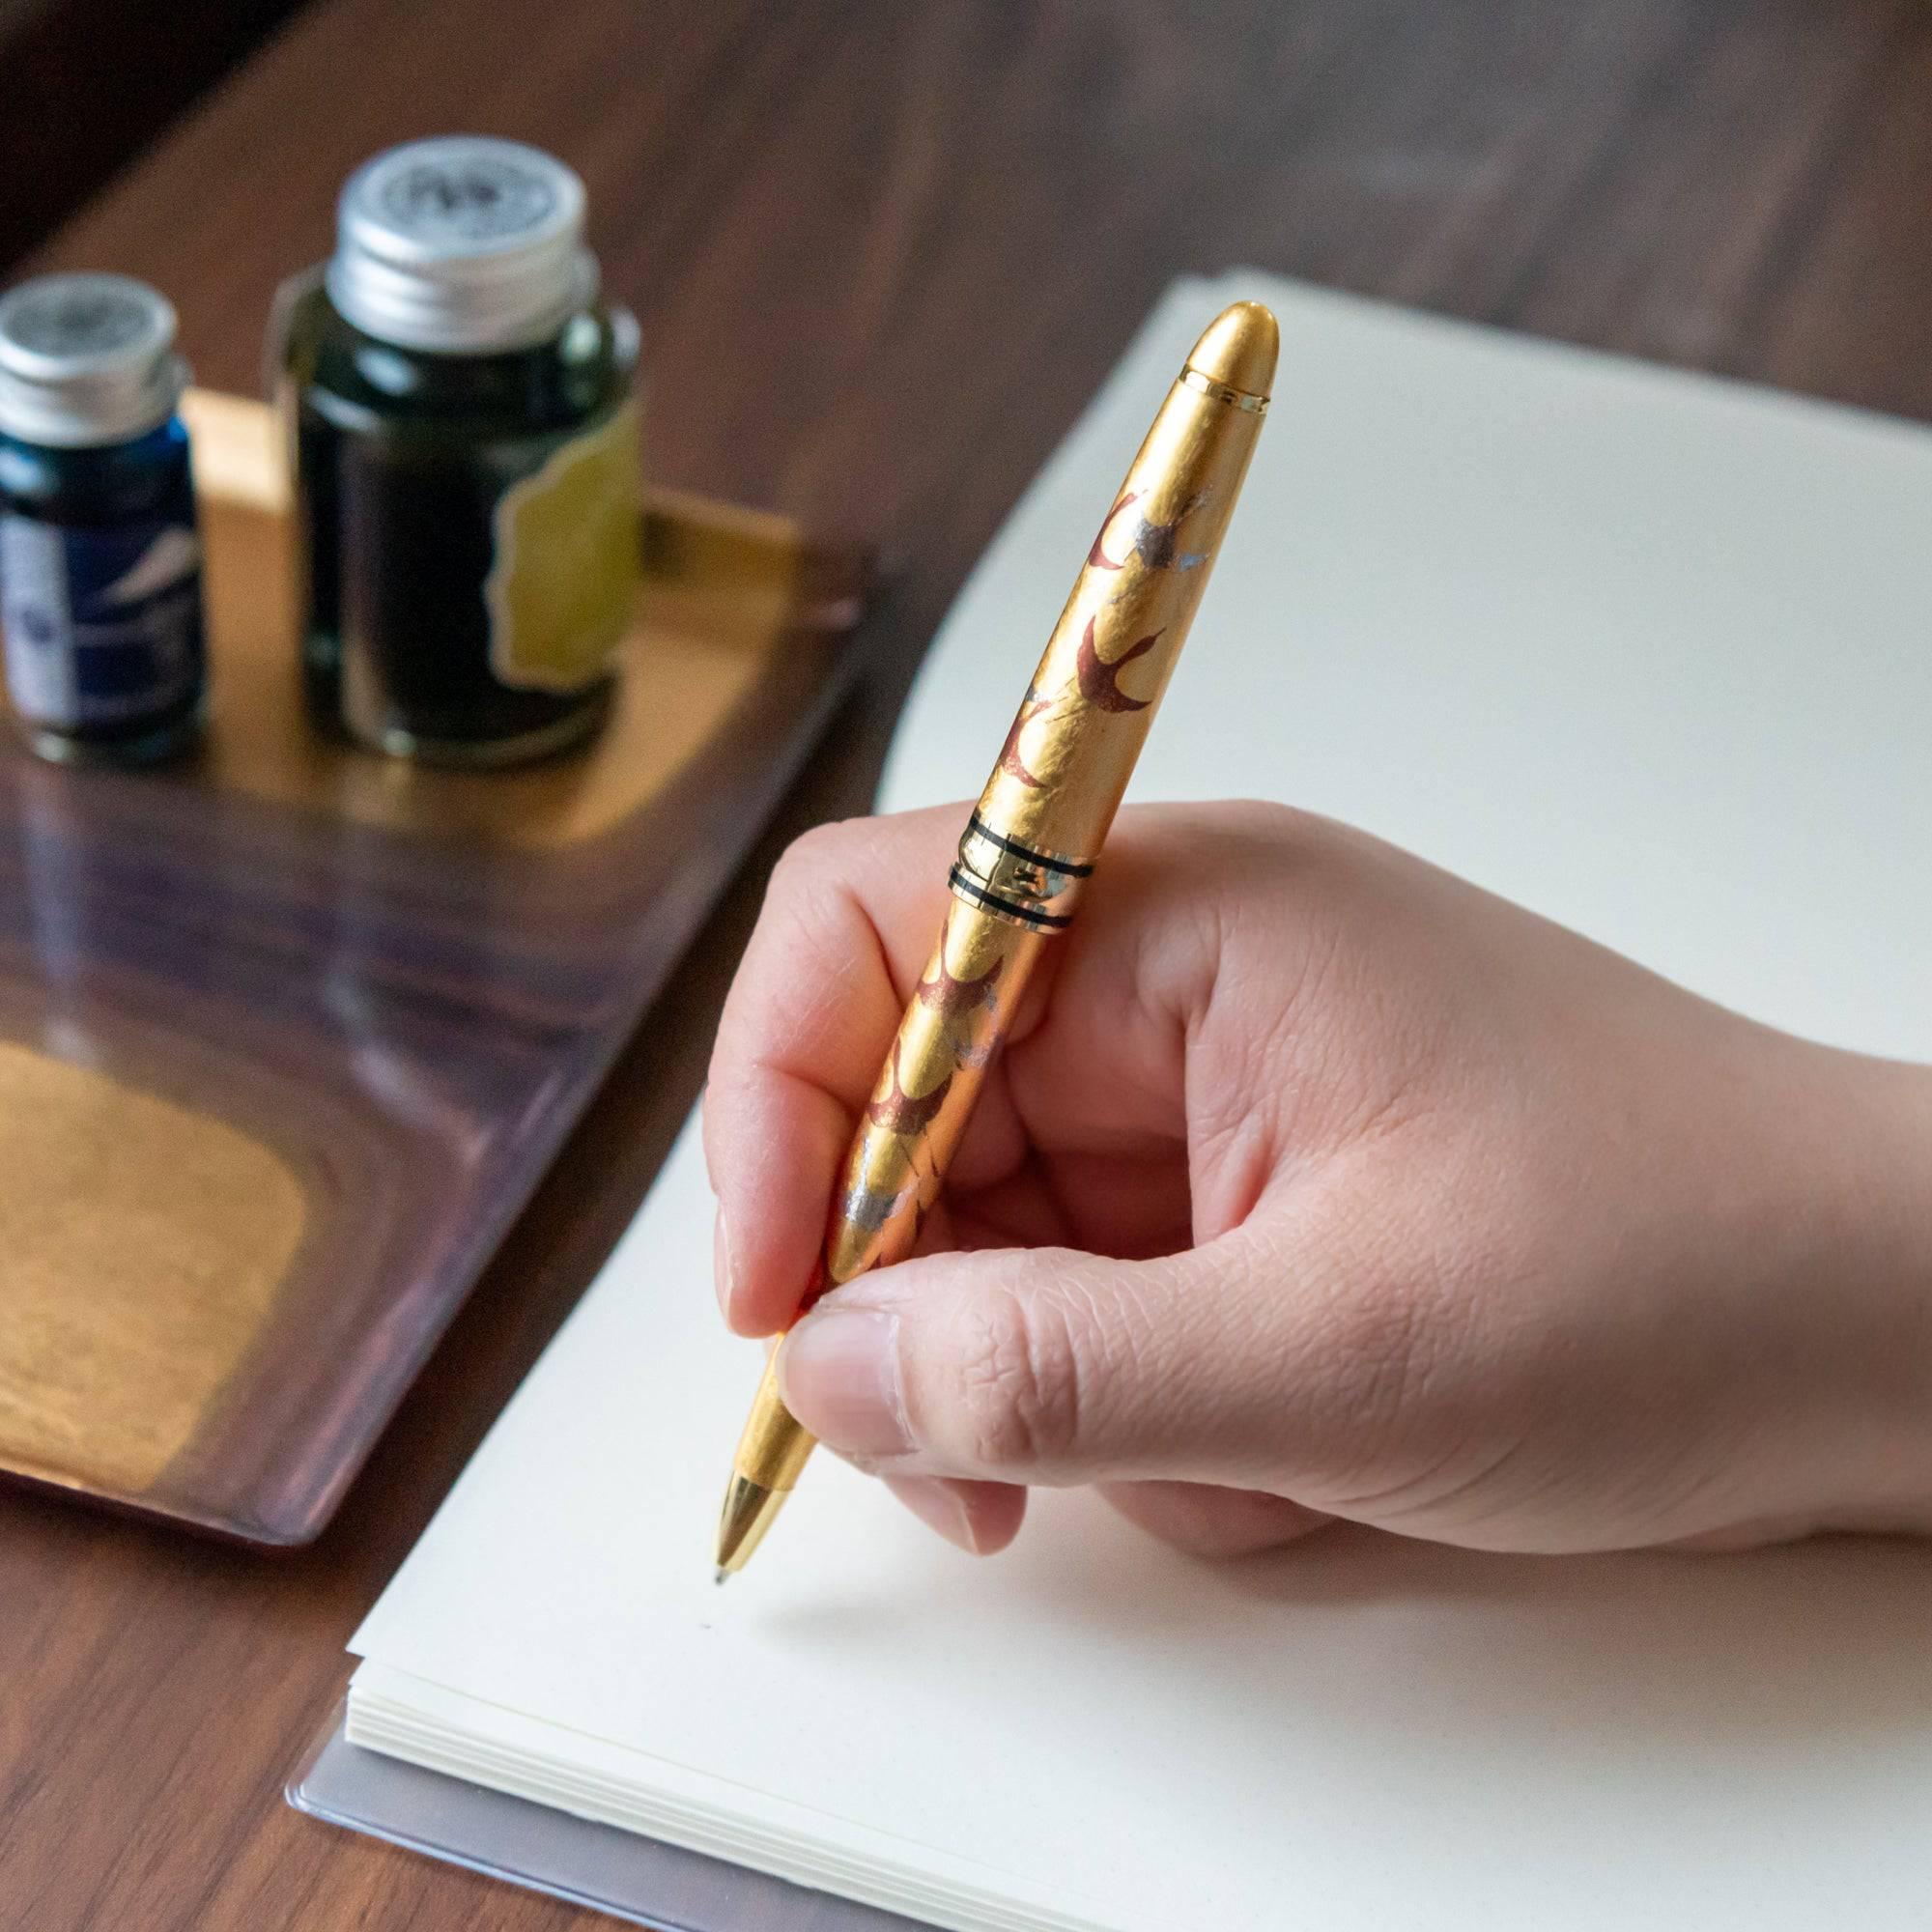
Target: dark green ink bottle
[465,440]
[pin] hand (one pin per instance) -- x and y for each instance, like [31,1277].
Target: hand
[1315,1182]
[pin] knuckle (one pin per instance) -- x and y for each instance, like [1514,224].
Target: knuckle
[1017,1406]
[1271,823]
[805,864]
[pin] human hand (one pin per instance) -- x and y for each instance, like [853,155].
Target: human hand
[1315,1182]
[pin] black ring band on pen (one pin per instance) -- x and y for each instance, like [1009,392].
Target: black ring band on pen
[969,888]
[1068,869]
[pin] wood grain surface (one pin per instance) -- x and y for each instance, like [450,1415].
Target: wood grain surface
[882,253]
[91,82]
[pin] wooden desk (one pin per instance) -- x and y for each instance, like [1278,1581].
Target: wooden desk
[90,82]
[882,254]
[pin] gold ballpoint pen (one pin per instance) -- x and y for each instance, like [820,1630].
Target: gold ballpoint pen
[1030,844]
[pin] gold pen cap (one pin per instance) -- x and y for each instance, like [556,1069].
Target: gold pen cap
[1072,747]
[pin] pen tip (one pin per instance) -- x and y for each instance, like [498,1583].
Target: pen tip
[749,1509]
[718,1577]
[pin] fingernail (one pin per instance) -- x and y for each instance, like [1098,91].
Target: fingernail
[938,1505]
[721,1264]
[839,1372]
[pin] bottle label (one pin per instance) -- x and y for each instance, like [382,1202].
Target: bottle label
[101,625]
[563,576]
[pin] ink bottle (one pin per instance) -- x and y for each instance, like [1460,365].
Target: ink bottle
[99,560]
[463,436]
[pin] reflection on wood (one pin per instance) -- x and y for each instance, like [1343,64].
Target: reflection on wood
[141,1245]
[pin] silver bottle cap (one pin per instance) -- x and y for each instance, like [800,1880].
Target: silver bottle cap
[463,246]
[86,359]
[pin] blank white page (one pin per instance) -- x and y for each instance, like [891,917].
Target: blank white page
[1646,651]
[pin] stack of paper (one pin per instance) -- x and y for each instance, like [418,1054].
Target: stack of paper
[1647,651]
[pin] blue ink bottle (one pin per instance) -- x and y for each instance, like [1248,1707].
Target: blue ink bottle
[99,557]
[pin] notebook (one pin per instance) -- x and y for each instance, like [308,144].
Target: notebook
[1648,651]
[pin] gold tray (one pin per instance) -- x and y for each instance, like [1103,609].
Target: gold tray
[288,1034]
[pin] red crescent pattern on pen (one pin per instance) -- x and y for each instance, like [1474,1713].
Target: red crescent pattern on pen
[1011,761]
[1099,681]
[1154,543]
[950,996]
[897,1111]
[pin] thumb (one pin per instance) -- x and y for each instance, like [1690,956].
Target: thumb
[1049,1366]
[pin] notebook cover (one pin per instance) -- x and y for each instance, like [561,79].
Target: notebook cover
[543,1850]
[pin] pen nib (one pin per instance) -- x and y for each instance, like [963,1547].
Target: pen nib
[749,1509]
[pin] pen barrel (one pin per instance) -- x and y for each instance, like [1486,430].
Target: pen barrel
[1031,841]
[953,1027]
[1054,789]
[911,1127]
[774,1446]
[1060,774]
